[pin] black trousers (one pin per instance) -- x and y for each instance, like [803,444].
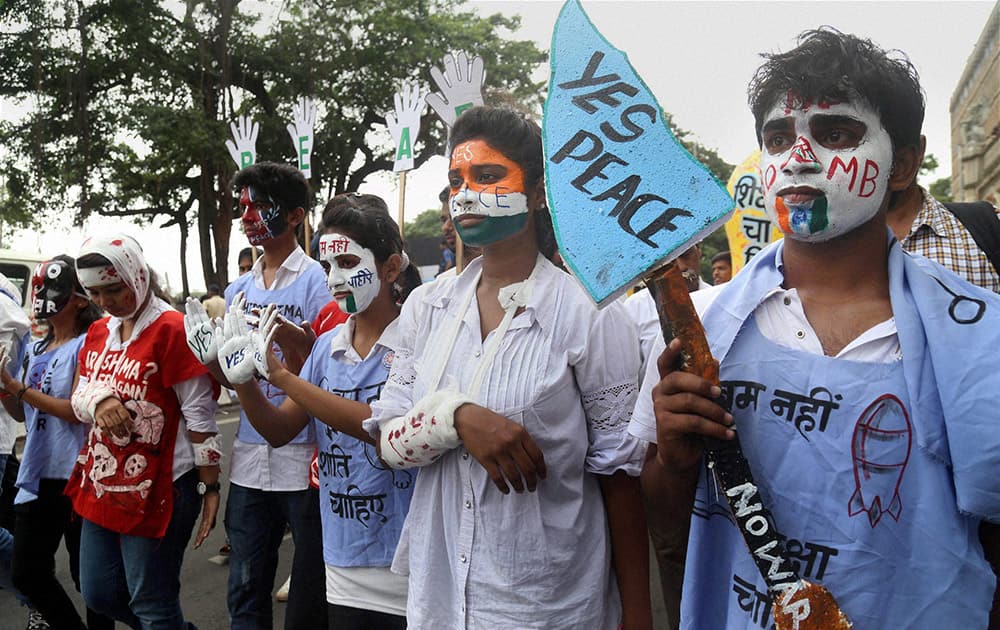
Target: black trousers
[39,526]
[347,618]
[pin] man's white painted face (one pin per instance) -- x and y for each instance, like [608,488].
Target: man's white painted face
[824,167]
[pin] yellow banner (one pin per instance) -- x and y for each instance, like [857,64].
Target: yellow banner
[749,229]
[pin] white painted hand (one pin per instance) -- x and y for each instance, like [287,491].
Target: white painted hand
[4,358]
[244,149]
[200,331]
[236,348]
[263,338]
[301,133]
[405,125]
[461,86]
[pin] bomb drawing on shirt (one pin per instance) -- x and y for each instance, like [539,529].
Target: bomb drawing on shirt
[880,448]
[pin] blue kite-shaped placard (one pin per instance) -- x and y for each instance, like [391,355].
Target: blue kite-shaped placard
[625,196]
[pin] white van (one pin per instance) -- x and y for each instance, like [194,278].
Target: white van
[18,268]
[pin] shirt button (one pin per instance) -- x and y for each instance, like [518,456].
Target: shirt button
[800,334]
[468,505]
[462,557]
[477,353]
[465,456]
[788,301]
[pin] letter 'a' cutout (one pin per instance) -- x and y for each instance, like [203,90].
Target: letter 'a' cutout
[594,89]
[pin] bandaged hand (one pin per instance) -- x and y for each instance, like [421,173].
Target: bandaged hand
[424,434]
[461,86]
[200,331]
[7,382]
[236,348]
[87,397]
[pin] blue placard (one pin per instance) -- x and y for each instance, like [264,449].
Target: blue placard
[625,196]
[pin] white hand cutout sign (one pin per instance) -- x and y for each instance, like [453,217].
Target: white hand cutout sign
[405,125]
[301,133]
[244,149]
[461,86]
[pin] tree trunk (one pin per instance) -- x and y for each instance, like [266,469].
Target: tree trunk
[185,288]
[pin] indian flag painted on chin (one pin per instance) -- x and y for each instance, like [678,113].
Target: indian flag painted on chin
[802,219]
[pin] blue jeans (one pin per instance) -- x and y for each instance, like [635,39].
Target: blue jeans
[255,524]
[7,539]
[136,579]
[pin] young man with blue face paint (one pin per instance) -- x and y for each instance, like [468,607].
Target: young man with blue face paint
[857,376]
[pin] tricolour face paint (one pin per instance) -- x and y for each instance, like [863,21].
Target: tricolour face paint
[353,278]
[825,168]
[262,216]
[488,198]
[52,287]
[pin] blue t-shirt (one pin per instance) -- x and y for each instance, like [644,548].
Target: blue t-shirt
[51,444]
[878,475]
[363,503]
[299,301]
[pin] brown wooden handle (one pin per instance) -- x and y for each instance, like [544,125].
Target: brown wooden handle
[678,319]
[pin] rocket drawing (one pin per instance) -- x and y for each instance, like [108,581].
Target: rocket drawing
[880,448]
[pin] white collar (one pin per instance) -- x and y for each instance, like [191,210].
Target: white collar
[343,342]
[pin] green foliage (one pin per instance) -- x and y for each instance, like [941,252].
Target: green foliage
[941,189]
[713,244]
[709,157]
[427,224]
[130,100]
[929,165]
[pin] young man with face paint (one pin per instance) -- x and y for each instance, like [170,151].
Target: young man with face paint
[269,487]
[39,397]
[858,377]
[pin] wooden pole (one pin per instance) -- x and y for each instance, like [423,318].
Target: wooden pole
[459,254]
[402,201]
[308,233]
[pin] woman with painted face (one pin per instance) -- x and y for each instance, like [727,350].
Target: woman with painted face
[507,376]
[54,435]
[362,502]
[150,461]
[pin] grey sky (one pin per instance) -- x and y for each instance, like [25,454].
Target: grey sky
[697,58]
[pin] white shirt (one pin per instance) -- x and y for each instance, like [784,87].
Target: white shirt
[262,466]
[566,372]
[14,326]
[780,318]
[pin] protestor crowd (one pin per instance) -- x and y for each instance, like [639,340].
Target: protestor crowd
[490,449]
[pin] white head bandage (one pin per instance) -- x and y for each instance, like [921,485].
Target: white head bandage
[128,265]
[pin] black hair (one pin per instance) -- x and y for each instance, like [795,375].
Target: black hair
[365,218]
[284,183]
[84,318]
[829,66]
[519,139]
[723,255]
[247,252]
[445,195]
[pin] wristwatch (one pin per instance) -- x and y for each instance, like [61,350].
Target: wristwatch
[206,488]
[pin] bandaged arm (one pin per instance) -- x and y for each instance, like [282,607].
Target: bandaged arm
[424,433]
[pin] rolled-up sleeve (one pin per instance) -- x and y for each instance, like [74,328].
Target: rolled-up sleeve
[198,404]
[606,374]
